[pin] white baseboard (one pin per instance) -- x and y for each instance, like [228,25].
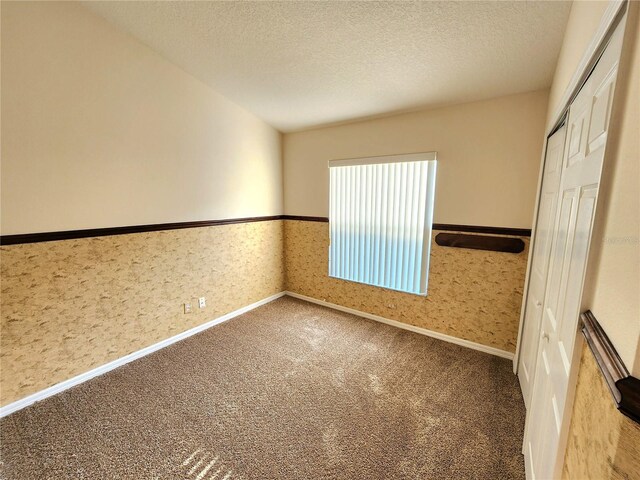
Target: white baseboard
[72,382]
[423,331]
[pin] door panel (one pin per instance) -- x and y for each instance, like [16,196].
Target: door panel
[543,237]
[559,254]
[602,101]
[566,330]
[577,137]
[540,261]
[587,126]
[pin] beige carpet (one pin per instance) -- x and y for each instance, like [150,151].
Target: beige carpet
[290,390]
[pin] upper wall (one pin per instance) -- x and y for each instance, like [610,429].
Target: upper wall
[581,26]
[488,158]
[100,131]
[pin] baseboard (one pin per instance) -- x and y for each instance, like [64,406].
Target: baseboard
[423,331]
[77,380]
[72,382]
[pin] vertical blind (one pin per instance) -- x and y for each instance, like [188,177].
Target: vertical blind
[380,216]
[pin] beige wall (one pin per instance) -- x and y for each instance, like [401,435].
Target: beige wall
[603,443]
[74,305]
[100,131]
[489,156]
[582,24]
[473,294]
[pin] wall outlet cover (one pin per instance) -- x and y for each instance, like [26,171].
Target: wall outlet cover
[202,302]
[187,308]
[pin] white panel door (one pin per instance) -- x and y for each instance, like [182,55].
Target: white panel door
[587,127]
[540,261]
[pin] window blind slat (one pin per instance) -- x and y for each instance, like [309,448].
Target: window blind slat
[420,225]
[356,223]
[390,230]
[402,222]
[397,174]
[343,220]
[375,280]
[416,215]
[360,226]
[369,224]
[333,246]
[352,221]
[408,241]
[428,221]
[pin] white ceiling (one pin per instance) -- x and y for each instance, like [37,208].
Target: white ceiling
[303,64]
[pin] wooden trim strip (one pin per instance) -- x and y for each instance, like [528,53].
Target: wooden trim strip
[103,232]
[480,242]
[516,232]
[305,219]
[624,388]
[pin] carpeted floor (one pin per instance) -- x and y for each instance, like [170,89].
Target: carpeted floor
[290,390]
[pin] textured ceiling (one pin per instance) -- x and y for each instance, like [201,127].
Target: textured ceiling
[303,64]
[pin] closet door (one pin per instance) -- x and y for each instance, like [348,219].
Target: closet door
[540,260]
[587,127]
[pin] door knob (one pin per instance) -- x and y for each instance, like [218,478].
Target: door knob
[545,335]
[538,303]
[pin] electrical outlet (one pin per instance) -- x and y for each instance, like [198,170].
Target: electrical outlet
[187,308]
[202,302]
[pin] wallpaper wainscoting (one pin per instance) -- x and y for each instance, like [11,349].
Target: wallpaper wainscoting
[74,305]
[602,443]
[472,294]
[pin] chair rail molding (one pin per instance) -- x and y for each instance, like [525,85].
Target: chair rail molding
[480,242]
[624,388]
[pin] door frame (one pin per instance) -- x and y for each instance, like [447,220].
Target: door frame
[610,19]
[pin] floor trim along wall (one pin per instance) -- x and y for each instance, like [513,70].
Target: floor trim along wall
[72,382]
[423,331]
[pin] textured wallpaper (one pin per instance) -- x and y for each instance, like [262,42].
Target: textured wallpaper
[73,305]
[472,294]
[602,443]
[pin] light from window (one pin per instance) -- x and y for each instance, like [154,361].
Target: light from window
[380,216]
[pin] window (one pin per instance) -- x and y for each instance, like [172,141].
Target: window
[380,216]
